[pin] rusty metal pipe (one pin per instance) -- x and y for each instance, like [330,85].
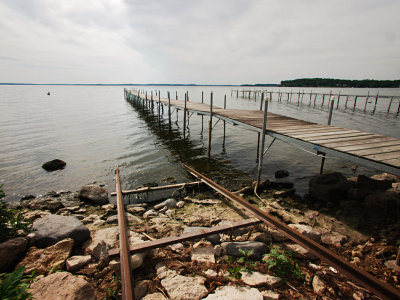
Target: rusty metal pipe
[125,259]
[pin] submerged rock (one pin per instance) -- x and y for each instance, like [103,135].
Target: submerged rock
[54,165]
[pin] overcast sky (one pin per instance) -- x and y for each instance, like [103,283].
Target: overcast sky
[201,41]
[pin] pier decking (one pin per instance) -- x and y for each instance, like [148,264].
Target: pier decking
[372,150]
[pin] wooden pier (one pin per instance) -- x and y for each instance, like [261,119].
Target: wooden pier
[368,149]
[366,103]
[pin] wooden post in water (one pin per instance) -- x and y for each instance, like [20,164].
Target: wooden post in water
[159,107]
[210,127]
[347,99]
[338,99]
[290,96]
[398,107]
[366,101]
[169,111]
[223,141]
[261,152]
[202,101]
[309,104]
[258,134]
[323,100]
[376,101]
[332,103]
[355,103]
[184,118]
[390,104]
[176,95]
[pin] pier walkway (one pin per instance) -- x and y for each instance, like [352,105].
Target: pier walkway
[368,149]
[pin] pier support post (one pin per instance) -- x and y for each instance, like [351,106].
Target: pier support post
[261,152]
[332,103]
[223,141]
[210,127]
[338,99]
[390,104]
[376,101]
[184,117]
[355,103]
[159,107]
[169,111]
[366,101]
[258,134]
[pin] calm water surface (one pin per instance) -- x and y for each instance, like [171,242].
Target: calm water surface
[94,130]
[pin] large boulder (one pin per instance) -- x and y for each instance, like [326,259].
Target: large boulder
[373,184]
[382,206]
[62,286]
[11,252]
[329,187]
[53,165]
[45,204]
[47,259]
[53,228]
[94,193]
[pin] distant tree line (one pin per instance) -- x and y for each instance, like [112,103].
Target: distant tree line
[328,82]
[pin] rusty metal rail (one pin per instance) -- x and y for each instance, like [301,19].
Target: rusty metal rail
[125,259]
[360,276]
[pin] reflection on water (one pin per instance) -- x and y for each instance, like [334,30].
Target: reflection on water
[94,129]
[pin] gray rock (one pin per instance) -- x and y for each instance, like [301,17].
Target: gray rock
[53,228]
[232,249]
[62,285]
[185,288]
[258,279]
[180,204]
[281,174]
[299,251]
[203,254]
[77,262]
[334,239]
[136,210]
[307,231]
[154,296]
[53,165]
[11,252]
[235,293]
[329,187]
[171,203]
[150,214]
[318,285]
[131,219]
[45,203]
[214,238]
[365,182]
[94,193]
[270,295]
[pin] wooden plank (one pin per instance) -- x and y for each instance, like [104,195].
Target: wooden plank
[384,156]
[339,138]
[321,129]
[312,135]
[145,246]
[369,145]
[302,128]
[360,141]
[379,150]
[393,162]
[158,188]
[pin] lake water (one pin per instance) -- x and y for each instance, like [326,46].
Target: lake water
[94,130]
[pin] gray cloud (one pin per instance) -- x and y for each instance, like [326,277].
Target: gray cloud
[197,41]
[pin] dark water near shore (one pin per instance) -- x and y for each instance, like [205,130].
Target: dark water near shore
[94,129]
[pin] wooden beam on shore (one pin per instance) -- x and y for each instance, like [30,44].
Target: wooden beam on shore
[145,246]
[158,188]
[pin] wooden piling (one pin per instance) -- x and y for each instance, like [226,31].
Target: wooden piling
[338,99]
[210,127]
[169,111]
[390,104]
[184,117]
[366,101]
[258,134]
[224,120]
[261,152]
[347,99]
[332,103]
[355,103]
[376,101]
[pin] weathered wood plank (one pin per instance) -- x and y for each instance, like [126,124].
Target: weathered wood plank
[339,137]
[312,135]
[384,156]
[368,145]
[360,141]
[380,150]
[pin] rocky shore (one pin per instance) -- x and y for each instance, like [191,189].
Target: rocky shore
[73,232]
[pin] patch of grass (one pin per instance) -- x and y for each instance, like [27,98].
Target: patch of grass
[242,264]
[282,264]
